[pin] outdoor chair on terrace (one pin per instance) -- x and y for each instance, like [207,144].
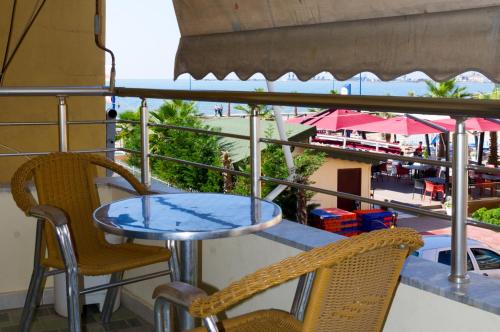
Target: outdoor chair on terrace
[420,186]
[401,172]
[434,189]
[67,196]
[353,287]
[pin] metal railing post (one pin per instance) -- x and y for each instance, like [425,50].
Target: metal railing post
[460,196]
[63,124]
[255,190]
[145,167]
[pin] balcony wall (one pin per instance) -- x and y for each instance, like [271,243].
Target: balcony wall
[422,302]
[59,50]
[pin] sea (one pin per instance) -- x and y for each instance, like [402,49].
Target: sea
[365,87]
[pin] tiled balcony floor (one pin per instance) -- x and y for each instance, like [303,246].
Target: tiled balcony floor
[47,320]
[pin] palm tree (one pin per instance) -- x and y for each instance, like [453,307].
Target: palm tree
[493,157]
[448,89]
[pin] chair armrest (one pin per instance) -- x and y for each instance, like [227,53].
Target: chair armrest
[293,267]
[179,293]
[54,215]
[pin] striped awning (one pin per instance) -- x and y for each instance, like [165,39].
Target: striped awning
[389,38]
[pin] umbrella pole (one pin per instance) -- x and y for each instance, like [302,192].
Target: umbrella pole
[278,118]
[447,157]
[428,144]
[480,149]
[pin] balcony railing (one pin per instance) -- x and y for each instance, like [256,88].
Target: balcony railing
[458,109]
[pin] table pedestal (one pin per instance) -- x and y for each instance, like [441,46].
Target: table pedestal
[188,256]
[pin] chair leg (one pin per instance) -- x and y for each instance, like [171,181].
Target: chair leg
[73,294]
[71,267]
[33,297]
[174,261]
[162,315]
[109,301]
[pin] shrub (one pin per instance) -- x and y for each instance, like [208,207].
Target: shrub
[491,216]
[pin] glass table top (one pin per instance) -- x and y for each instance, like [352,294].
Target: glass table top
[186,216]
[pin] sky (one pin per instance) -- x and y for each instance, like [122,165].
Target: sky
[144,36]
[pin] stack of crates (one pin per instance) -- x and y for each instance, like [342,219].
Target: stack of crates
[335,220]
[370,220]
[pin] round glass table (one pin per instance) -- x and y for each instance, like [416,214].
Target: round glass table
[187,217]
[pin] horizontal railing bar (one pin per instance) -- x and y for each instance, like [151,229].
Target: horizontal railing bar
[28,154]
[200,131]
[195,164]
[416,105]
[44,123]
[372,155]
[23,154]
[95,150]
[84,122]
[194,130]
[484,169]
[52,123]
[129,151]
[125,282]
[53,272]
[472,222]
[55,91]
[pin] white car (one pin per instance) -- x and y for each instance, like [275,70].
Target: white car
[480,258]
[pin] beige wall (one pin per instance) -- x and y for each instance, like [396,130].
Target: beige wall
[59,50]
[326,177]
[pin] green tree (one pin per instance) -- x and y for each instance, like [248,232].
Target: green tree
[184,145]
[265,111]
[448,89]
[493,157]
[177,144]
[130,135]
[293,202]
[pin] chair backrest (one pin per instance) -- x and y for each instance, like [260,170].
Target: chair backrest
[419,184]
[438,187]
[429,186]
[67,181]
[355,294]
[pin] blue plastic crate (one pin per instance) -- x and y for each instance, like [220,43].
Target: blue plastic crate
[386,215]
[374,224]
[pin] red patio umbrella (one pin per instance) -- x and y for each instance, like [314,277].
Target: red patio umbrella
[475,124]
[335,120]
[400,126]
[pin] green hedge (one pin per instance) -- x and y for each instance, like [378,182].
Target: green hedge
[491,216]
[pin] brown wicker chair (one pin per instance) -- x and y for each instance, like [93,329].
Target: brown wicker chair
[353,286]
[67,196]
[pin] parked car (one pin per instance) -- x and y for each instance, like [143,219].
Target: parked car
[480,258]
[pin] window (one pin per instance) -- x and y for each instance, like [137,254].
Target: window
[486,259]
[445,258]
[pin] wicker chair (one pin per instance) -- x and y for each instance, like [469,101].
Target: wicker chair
[353,286]
[67,196]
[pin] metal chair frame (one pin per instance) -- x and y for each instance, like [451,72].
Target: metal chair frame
[59,223]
